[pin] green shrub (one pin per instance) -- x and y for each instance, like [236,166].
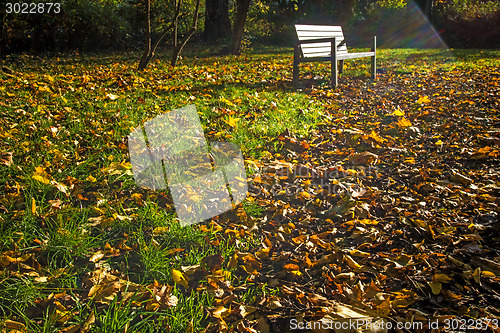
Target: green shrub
[80,25]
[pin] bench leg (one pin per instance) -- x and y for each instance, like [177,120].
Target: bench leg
[374,58]
[296,55]
[341,66]
[334,63]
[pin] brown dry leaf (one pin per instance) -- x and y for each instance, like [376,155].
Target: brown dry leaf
[212,262]
[352,263]
[89,322]
[448,294]
[357,253]
[221,312]
[273,302]
[73,329]
[262,254]
[107,293]
[435,287]
[384,308]
[443,278]
[291,267]
[403,299]
[245,310]
[300,239]
[97,256]
[365,158]
[14,325]
[263,326]
[477,274]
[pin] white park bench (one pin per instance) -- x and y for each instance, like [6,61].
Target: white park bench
[326,43]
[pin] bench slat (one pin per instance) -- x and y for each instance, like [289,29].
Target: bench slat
[317,54]
[323,45]
[318,34]
[310,27]
[309,50]
[325,51]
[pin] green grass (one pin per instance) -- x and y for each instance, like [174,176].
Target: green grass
[66,119]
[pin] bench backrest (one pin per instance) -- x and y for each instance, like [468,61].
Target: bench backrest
[305,32]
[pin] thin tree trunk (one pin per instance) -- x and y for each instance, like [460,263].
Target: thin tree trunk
[178,48]
[428,9]
[178,4]
[146,57]
[150,50]
[178,45]
[239,26]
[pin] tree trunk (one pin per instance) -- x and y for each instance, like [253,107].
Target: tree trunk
[217,22]
[146,57]
[150,49]
[428,10]
[239,26]
[179,46]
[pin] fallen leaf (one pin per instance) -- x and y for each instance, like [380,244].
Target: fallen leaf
[180,278]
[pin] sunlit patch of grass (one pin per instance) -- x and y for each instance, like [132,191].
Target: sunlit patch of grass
[17,293]
[252,209]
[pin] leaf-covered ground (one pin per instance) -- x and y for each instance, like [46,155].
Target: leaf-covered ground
[375,202]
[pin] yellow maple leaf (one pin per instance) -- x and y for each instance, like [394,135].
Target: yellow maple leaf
[226,101]
[423,99]
[398,112]
[49,78]
[232,121]
[91,179]
[179,278]
[44,89]
[41,175]
[41,179]
[403,122]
